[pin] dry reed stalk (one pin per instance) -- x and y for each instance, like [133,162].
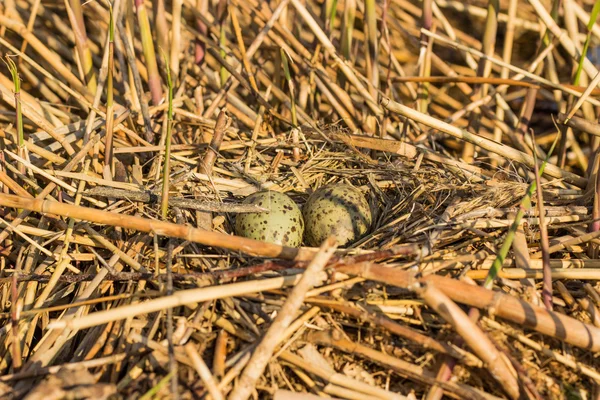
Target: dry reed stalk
[203,372]
[328,46]
[108,170]
[482,142]
[264,351]
[432,212]
[565,40]
[584,369]
[180,298]
[75,13]
[50,187]
[473,337]
[51,57]
[504,306]
[366,390]
[555,85]
[176,38]
[555,273]
[413,372]
[160,228]
[149,54]
[206,163]
[220,354]
[483,70]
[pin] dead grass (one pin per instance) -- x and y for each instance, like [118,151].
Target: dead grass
[101,296]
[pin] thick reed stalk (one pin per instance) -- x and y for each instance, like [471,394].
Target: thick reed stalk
[502,305]
[236,243]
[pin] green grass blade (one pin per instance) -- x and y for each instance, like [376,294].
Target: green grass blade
[510,236]
[586,45]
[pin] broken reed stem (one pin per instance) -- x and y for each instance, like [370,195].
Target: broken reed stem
[212,152]
[203,372]
[204,219]
[473,336]
[264,351]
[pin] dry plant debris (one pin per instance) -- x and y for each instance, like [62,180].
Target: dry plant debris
[131,131]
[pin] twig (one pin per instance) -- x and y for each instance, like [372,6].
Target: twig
[262,354]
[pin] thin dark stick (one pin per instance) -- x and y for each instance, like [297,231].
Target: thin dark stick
[139,276]
[192,204]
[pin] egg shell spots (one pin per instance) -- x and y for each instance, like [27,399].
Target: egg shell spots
[282,225]
[339,210]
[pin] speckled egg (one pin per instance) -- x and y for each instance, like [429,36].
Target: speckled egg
[282,224]
[339,210]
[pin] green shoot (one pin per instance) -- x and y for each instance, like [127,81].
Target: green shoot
[510,235]
[332,12]
[14,72]
[164,206]
[586,45]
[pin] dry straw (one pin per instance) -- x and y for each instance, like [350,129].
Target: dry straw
[131,131]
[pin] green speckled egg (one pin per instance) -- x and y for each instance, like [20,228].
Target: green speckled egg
[339,210]
[283,224]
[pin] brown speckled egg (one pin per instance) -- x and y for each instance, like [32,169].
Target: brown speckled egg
[339,210]
[282,224]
